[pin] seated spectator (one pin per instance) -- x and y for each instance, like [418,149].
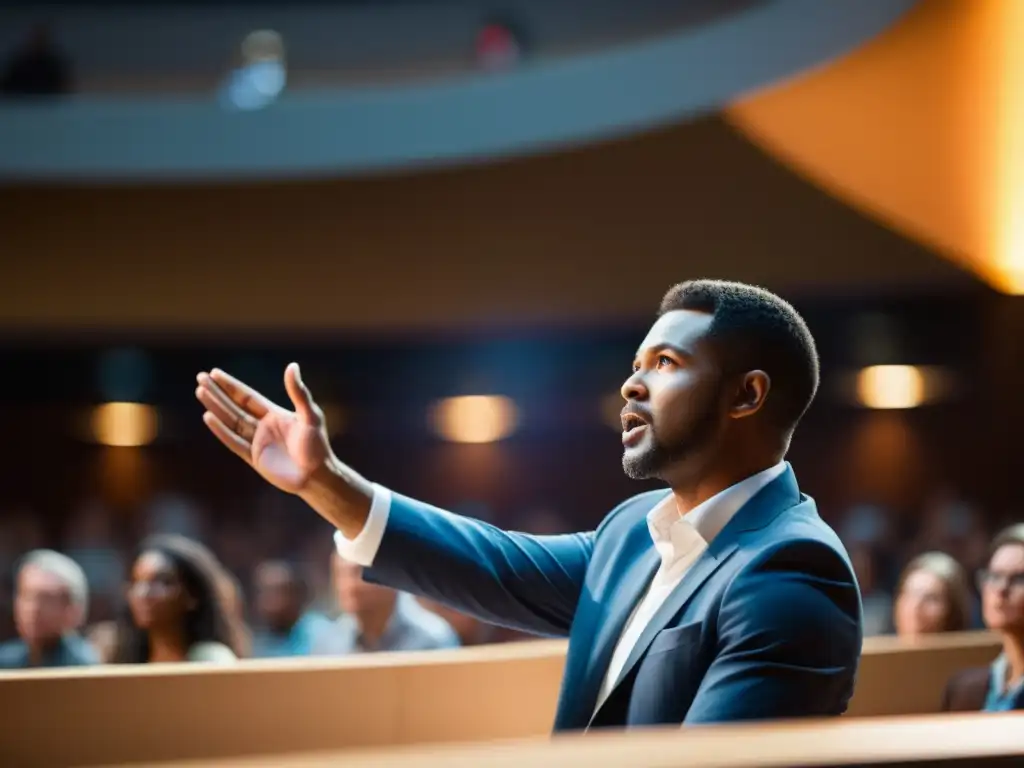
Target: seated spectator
[234,603]
[932,596]
[379,619]
[1000,686]
[90,540]
[876,601]
[50,604]
[471,631]
[38,69]
[102,636]
[285,627]
[177,607]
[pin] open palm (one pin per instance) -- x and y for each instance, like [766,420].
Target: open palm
[284,446]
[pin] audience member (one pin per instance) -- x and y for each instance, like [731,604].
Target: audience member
[177,607]
[37,69]
[89,539]
[471,631]
[377,618]
[999,687]
[285,627]
[49,607]
[234,604]
[877,603]
[102,636]
[932,596]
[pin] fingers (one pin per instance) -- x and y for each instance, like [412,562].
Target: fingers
[227,412]
[244,396]
[305,408]
[236,444]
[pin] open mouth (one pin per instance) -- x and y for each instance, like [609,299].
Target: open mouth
[633,428]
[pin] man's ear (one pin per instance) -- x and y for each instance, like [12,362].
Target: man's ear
[751,394]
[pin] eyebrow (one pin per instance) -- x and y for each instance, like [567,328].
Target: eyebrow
[663,346]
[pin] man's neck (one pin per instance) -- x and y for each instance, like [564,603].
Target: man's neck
[689,495]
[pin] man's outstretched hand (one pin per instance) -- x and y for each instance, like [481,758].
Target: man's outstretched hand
[290,449]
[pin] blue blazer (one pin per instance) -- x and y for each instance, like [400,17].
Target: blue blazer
[766,624]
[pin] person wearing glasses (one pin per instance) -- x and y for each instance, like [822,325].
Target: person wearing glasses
[177,608]
[999,687]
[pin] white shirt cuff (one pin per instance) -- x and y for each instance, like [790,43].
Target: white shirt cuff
[362,550]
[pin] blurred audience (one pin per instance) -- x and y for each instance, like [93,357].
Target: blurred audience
[377,618]
[37,69]
[876,599]
[50,605]
[184,603]
[234,604]
[285,627]
[177,607]
[999,687]
[471,631]
[932,596]
[90,540]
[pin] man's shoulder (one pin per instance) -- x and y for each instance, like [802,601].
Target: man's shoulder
[633,509]
[797,542]
[800,528]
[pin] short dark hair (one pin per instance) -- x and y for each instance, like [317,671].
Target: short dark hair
[754,329]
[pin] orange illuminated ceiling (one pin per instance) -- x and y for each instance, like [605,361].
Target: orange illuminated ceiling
[922,128]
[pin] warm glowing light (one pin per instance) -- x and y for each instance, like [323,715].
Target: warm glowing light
[124,424]
[891,386]
[1008,248]
[474,418]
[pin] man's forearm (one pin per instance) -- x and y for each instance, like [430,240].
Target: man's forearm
[341,496]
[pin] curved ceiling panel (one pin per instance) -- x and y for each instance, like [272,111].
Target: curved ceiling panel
[589,237]
[552,103]
[922,128]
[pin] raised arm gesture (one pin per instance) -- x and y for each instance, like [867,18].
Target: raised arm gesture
[290,449]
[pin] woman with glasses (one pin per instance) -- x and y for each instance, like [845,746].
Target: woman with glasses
[177,607]
[932,596]
[999,687]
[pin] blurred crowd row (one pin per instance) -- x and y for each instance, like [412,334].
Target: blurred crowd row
[270,585]
[269,588]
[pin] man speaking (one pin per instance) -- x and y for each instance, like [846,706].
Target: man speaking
[724,598]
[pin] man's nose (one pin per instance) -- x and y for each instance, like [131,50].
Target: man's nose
[633,388]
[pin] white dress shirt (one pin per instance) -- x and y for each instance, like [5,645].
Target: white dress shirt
[679,539]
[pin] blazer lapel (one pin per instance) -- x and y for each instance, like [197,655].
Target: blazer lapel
[782,493]
[700,571]
[625,599]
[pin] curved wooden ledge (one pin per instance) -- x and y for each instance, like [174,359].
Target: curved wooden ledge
[124,714]
[977,740]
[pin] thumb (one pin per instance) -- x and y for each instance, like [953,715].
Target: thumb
[306,409]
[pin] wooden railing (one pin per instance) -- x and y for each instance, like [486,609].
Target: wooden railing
[104,715]
[978,741]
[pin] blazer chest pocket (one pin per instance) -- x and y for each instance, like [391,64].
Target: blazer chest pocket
[667,677]
[682,639]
